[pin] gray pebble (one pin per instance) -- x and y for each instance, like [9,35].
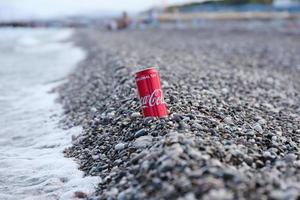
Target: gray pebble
[120,146]
[228,120]
[143,141]
[258,128]
[135,115]
[140,133]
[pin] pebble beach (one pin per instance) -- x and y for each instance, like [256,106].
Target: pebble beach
[233,130]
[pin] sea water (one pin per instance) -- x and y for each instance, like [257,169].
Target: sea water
[32,165]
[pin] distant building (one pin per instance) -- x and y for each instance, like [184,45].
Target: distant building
[285,3]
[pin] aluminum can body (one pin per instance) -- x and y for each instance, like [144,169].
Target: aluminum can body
[150,93]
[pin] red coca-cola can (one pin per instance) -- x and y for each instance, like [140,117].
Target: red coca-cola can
[150,93]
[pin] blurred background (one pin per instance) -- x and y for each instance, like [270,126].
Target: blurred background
[119,14]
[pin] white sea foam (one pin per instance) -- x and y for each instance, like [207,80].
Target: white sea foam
[32,165]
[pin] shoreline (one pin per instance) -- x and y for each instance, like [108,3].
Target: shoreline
[234,114]
[32,164]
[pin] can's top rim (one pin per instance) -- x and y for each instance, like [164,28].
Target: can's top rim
[144,70]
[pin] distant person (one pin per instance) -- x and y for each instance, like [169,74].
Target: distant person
[152,17]
[121,23]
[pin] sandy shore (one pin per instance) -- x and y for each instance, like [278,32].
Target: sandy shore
[234,125]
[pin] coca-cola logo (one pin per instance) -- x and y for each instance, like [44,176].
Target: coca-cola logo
[153,99]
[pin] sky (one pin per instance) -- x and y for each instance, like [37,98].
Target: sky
[52,8]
